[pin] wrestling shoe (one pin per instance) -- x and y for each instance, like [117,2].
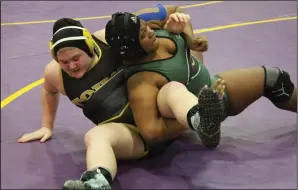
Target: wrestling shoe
[210,110]
[92,179]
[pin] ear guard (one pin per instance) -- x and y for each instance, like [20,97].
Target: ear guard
[92,46]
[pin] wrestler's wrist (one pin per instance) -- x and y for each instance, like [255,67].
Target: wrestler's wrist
[48,125]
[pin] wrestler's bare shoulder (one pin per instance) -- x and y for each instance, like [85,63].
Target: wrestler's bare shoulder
[53,76]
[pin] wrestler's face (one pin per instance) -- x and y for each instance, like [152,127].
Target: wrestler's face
[74,61]
[148,40]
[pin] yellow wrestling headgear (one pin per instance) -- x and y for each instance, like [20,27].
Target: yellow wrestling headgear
[86,36]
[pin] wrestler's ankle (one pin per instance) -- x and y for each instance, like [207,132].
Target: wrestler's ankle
[97,171]
[193,118]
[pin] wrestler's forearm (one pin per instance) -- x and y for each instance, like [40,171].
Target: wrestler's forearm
[49,108]
[189,35]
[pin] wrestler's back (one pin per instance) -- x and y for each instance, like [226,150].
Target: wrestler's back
[101,92]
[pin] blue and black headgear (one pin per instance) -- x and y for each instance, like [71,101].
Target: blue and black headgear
[122,34]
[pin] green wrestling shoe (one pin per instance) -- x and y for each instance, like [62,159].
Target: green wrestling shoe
[92,180]
[210,107]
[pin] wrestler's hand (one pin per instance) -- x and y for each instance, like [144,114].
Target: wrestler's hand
[42,134]
[199,44]
[176,22]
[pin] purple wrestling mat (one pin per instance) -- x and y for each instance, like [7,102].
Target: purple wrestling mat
[258,148]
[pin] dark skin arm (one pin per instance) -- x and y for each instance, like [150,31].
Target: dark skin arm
[194,43]
[158,24]
[142,94]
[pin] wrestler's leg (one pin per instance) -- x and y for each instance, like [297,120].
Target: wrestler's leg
[245,86]
[202,114]
[105,144]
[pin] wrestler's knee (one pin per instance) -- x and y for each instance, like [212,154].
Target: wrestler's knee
[278,87]
[99,133]
[166,96]
[172,89]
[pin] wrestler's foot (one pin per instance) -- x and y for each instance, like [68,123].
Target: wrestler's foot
[210,110]
[220,86]
[90,180]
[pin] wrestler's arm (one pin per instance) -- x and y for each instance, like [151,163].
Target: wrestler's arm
[50,95]
[155,21]
[50,99]
[158,22]
[194,43]
[142,94]
[156,17]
